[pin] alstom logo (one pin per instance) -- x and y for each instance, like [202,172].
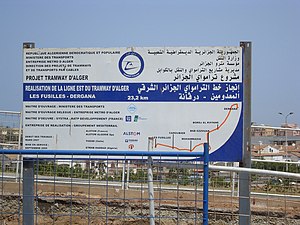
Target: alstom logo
[131,133]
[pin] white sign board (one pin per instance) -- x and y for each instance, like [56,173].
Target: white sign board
[115,98]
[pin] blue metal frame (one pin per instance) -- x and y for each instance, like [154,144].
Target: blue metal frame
[205,183]
[102,153]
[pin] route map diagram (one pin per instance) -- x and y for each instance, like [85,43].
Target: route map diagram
[208,133]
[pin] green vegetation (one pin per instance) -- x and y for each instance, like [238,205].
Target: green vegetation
[292,168]
[51,169]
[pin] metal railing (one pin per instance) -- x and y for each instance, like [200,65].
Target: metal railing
[89,187]
[103,190]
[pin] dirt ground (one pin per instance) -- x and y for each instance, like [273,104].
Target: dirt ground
[62,204]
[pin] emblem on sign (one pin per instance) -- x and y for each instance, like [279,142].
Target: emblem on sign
[131,64]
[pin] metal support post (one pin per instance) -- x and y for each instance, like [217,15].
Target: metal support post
[244,177]
[26,45]
[234,176]
[28,177]
[19,157]
[205,183]
[123,175]
[127,175]
[28,192]
[150,183]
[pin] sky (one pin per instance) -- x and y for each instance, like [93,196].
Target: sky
[271,25]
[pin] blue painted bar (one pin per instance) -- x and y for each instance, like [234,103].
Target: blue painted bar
[152,92]
[102,153]
[205,183]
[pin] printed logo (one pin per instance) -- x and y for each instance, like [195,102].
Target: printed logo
[131,64]
[135,118]
[131,133]
[131,140]
[131,108]
[139,118]
[131,146]
[128,118]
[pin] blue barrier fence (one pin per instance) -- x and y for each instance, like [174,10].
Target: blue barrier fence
[32,157]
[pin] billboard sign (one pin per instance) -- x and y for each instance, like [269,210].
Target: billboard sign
[115,98]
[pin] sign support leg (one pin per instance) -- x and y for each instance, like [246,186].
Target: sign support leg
[28,192]
[244,177]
